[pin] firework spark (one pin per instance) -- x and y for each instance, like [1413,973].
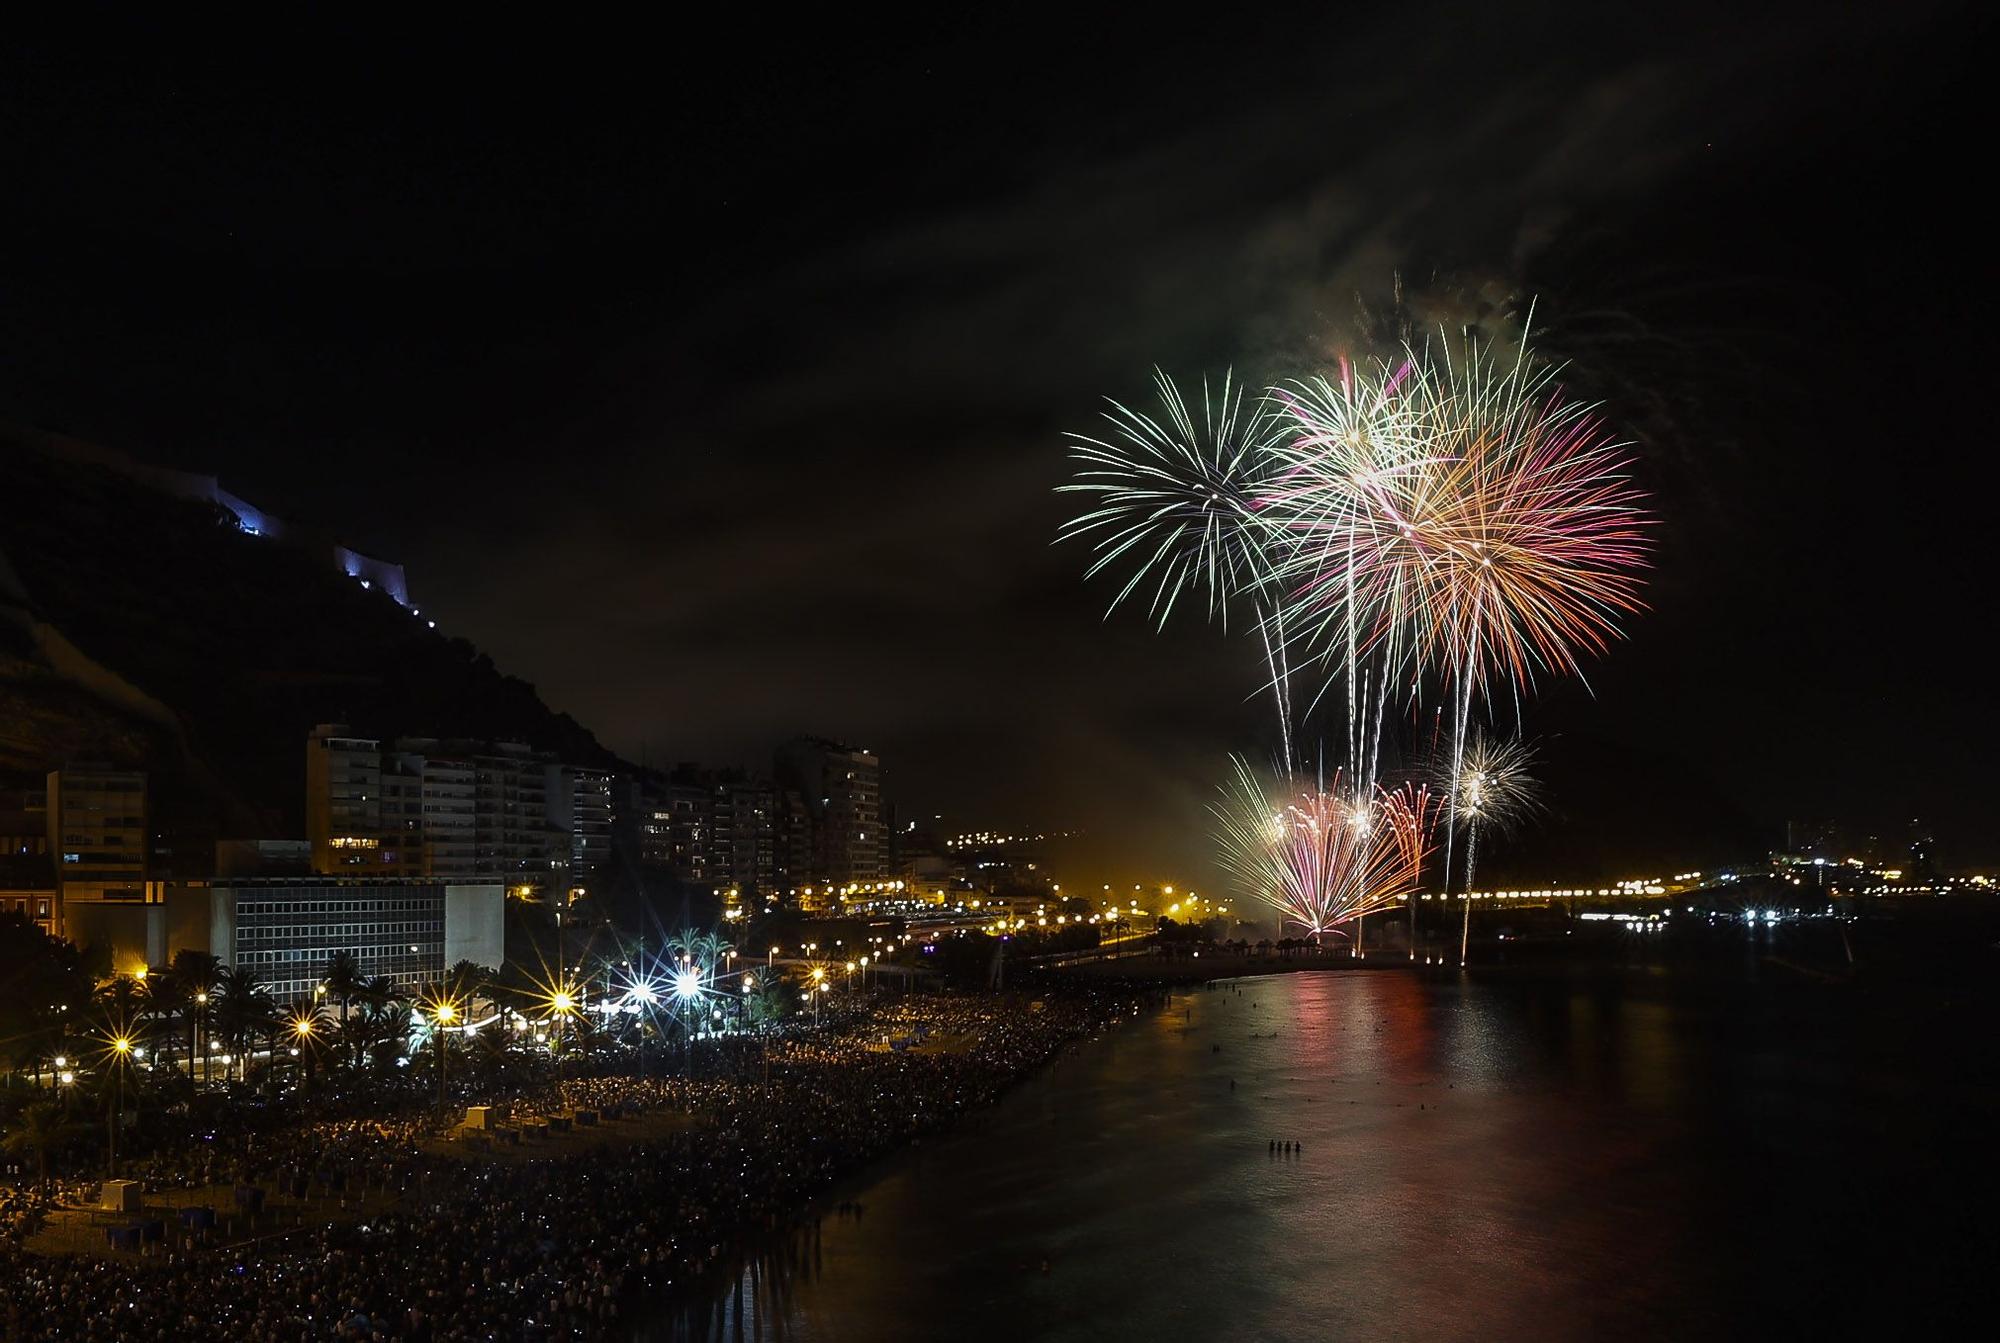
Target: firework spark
[1175,495]
[1492,791]
[1315,855]
[1463,506]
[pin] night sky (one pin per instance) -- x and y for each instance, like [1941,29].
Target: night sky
[714,380]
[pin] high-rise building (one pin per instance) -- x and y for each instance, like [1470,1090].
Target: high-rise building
[842,788]
[511,828]
[350,828]
[97,834]
[580,804]
[1922,850]
[744,835]
[449,807]
[792,840]
[453,811]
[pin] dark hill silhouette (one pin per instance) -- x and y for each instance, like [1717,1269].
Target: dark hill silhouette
[151,631]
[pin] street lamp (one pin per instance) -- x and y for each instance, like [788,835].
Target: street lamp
[562,1006]
[302,1029]
[443,1015]
[201,1002]
[121,1046]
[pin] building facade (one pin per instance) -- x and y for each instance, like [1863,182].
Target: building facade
[842,789]
[580,803]
[744,835]
[350,828]
[453,811]
[287,930]
[97,834]
[674,830]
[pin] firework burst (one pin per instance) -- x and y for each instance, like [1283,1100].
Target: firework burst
[1524,542]
[1491,792]
[1446,520]
[1175,495]
[1316,856]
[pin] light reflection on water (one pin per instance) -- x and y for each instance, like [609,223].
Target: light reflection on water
[1516,1159]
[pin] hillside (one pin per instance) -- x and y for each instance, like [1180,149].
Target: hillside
[151,631]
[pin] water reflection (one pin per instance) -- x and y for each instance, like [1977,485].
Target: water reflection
[1521,1158]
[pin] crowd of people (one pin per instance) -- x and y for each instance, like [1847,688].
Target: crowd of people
[567,1245]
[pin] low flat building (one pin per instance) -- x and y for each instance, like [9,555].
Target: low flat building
[286,930]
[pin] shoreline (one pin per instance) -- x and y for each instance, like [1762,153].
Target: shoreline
[751,1242]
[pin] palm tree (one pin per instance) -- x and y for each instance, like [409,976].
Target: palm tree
[775,997]
[121,1001]
[380,991]
[244,1009]
[40,1128]
[389,1032]
[466,982]
[343,980]
[197,974]
[703,951]
[167,1003]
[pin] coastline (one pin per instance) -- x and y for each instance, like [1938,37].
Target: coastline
[754,1237]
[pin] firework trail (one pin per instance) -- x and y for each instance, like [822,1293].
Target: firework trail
[1352,437]
[1176,495]
[1492,792]
[1315,856]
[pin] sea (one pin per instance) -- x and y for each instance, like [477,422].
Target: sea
[1548,1154]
